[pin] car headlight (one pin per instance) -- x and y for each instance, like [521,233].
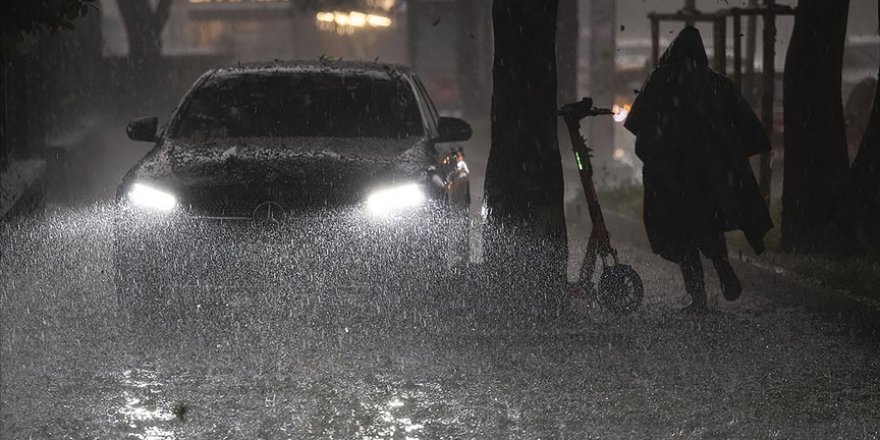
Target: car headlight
[395,199]
[148,197]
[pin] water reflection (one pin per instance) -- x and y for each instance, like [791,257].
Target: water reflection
[143,408]
[394,420]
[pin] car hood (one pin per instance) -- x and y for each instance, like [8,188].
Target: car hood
[254,161]
[302,172]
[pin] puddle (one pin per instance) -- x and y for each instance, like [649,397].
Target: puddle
[143,413]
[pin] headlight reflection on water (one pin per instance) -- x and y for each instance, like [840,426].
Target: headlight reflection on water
[393,423]
[137,414]
[143,413]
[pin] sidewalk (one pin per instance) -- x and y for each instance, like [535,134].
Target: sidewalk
[20,185]
[58,171]
[91,161]
[760,277]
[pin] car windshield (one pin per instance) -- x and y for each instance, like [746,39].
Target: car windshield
[303,105]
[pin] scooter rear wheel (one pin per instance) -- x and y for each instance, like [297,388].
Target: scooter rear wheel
[620,289]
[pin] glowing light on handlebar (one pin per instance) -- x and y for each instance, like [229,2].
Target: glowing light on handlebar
[620,112]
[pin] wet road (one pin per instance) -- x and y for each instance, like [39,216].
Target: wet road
[462,362]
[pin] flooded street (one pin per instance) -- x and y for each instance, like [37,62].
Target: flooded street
[464,361]
[365,219]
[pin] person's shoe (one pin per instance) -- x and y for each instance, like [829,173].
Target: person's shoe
[756,241]
[730,286]
[695,308]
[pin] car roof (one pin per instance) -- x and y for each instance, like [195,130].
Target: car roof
[332,67]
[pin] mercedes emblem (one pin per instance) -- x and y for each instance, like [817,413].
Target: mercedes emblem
[268,211]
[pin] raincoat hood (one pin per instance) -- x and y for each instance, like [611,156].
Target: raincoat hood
[687,46]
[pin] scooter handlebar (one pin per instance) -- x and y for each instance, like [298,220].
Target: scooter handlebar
[582,109]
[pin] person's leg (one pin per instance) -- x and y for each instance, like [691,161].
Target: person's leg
[692,272]
[730,285]
[715,248]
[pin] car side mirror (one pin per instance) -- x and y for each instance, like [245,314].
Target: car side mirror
[454,129]
[143,129]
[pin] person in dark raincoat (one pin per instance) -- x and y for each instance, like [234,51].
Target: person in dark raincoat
[694,134]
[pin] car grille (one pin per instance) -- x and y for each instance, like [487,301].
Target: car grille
[228,202]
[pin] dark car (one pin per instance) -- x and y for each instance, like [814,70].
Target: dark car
[294,175]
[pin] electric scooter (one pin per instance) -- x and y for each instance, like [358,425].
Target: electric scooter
[619,287]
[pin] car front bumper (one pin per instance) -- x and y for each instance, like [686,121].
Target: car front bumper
[306,251]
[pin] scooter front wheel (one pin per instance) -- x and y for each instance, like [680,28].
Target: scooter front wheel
[620,289]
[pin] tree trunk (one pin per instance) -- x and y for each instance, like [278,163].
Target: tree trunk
[748,86]
[525,237]
[866,179]
[603,41]
[143,27]
[567,35]
[4,123]
[816,163]
[474,102]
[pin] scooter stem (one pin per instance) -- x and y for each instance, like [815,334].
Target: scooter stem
[599,244]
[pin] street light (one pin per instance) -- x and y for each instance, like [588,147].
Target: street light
[345,23]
